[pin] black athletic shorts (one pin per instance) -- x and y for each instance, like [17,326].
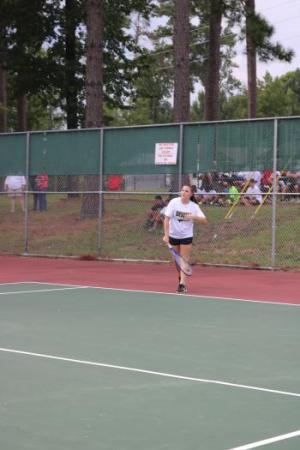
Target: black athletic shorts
[184,241]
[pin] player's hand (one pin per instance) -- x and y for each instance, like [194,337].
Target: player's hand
[166,239]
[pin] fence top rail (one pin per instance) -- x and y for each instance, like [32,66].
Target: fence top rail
[206,122]
[153,125]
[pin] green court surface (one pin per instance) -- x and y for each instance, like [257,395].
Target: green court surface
[98,369]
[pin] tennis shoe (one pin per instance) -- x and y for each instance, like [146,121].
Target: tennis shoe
[181,289]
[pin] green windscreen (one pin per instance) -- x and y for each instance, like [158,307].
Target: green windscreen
[198,148]
[132,150]
[13,154]
[232,146]
[65,153]
[244,146]
[222,146]
[289,144]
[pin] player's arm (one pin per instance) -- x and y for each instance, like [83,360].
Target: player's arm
[197,219]
[166,229]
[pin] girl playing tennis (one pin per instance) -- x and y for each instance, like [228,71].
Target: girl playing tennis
[180,215]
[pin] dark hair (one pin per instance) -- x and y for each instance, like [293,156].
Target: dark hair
[193,199]
[158,197]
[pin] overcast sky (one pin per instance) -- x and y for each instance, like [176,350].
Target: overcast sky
[284,15]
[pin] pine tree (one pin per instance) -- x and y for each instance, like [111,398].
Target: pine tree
[258,33]
[181,60]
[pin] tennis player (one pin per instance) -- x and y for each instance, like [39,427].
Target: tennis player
[180,215]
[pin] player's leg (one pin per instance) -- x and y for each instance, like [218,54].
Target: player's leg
[176,245]
[185,252]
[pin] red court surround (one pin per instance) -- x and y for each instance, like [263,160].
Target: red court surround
[207,281]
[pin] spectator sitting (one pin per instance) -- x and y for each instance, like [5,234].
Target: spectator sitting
[154,215]
[255,175]
[266,183]
[207,196]
[292,182]
[194,197]
[253,195]
[238,180]
[222,192]
[159,219]
[233,193]
[266,180]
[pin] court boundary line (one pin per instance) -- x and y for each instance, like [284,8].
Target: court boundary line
[264,442]
[38,291]
[205,297]
[149,372]
[34,282]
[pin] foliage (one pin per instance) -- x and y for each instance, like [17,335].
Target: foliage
[138,80]
[279,96]
[25,29]
[34,35]
[39,115]
[261,32]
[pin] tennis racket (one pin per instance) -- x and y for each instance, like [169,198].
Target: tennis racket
[181,263]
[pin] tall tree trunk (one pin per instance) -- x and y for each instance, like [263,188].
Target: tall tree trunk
[3,94]
[251,59]
[182,73]
[94,91]
[21,112]
[181,56]
[70,80]
[94,63]
[212,85]
[70,64]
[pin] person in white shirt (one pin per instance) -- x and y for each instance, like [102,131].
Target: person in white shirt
[15,186]
[253,195]
[255,175]
[180,215]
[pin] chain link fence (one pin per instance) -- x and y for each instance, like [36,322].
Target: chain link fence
[129,225]
[101,192]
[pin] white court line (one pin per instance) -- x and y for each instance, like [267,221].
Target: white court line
[140,291]
[34,282]
[149,372]
[282,437]
[38,291]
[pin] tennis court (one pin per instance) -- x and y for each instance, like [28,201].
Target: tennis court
[98,368]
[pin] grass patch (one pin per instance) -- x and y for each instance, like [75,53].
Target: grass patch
[242,240]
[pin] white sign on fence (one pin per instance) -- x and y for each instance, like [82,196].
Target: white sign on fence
[166,153]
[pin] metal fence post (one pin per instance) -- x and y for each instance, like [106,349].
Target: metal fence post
[274,194]
[100,213]
[26,205]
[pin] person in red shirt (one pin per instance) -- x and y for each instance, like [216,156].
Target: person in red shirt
[42,182]
[266,180]
[114,182]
